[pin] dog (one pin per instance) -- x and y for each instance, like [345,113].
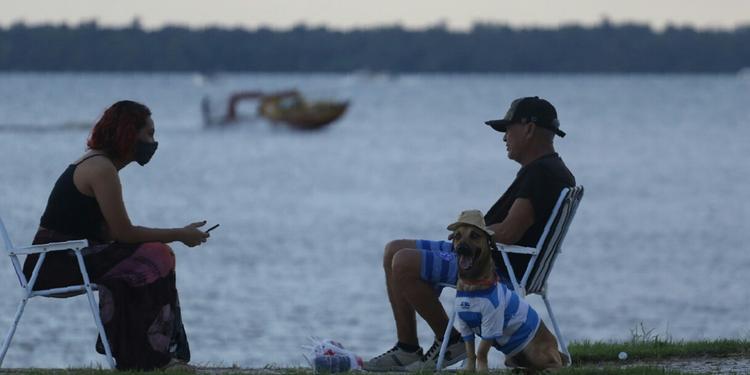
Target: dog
[483,305]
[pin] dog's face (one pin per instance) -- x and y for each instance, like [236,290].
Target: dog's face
[473,250]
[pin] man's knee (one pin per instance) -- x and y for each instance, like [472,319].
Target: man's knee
[406,264]
[392,248]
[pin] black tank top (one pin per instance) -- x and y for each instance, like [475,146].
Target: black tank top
[71,212]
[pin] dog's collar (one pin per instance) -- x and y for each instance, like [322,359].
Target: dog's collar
[484,282]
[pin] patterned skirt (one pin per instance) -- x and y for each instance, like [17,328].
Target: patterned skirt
[138,299]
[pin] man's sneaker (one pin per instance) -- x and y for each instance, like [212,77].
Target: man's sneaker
[454,353]
[395,359]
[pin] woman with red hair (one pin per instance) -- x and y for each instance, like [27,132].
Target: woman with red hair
[132,265]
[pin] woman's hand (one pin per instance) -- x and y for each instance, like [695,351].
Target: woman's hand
[192,236]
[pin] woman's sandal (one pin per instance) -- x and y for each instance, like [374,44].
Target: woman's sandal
[178,365]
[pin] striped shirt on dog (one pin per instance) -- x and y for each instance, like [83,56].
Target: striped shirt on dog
[496,314]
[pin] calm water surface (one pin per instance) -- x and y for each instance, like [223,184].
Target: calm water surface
[661,237]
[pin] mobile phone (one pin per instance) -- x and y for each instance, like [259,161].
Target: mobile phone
[212,228]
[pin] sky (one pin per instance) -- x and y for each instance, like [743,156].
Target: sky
[348,14]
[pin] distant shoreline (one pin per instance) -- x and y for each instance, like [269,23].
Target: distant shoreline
[605,48]
[374,75]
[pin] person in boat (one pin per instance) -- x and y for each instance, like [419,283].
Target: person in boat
[133,265]
[416,269]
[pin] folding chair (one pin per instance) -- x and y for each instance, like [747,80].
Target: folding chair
[534,279]
[28,285]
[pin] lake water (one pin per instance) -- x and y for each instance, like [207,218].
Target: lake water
[661,237]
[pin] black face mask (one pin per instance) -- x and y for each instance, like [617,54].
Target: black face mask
[144,151]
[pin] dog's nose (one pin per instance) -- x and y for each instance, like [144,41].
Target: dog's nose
[463,248]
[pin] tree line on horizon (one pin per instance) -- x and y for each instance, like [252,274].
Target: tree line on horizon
[603,48]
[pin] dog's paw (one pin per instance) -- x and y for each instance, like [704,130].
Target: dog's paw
[482,367]
[469,366]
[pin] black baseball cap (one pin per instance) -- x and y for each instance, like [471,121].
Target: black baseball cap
[529,109]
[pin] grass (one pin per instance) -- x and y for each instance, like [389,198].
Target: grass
[647,346]
[636,370]
[588,352]
[639,370]
[588,358]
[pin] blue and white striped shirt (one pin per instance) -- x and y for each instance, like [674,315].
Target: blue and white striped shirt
[496,314]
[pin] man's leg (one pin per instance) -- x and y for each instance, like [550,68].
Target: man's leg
[418,274]
[416,293]
[409,290]
[407,350]
[403,312]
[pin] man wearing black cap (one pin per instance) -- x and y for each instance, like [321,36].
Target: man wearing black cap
[416,269]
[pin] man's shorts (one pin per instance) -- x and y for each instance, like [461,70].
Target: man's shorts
[439,266]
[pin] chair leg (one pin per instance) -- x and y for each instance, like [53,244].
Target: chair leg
[446,339]
[12,330]
[100,326]
[94,308]
[512,275]
[560,338]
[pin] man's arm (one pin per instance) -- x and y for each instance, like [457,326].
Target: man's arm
[520,218]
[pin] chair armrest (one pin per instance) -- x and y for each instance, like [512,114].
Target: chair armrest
[49,247]
[516,249]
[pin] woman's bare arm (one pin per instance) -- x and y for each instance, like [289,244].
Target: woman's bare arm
[102,177]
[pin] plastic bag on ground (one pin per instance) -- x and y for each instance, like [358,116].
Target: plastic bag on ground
[329,356]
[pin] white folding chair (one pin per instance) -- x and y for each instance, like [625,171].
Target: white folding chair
[28,285]
[534,279]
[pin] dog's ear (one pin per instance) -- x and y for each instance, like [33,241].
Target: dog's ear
[492,244]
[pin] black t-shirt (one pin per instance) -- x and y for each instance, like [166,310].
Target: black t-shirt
[70,212]
[540,182]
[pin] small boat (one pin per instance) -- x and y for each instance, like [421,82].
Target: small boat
[287,107]
[291,108]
